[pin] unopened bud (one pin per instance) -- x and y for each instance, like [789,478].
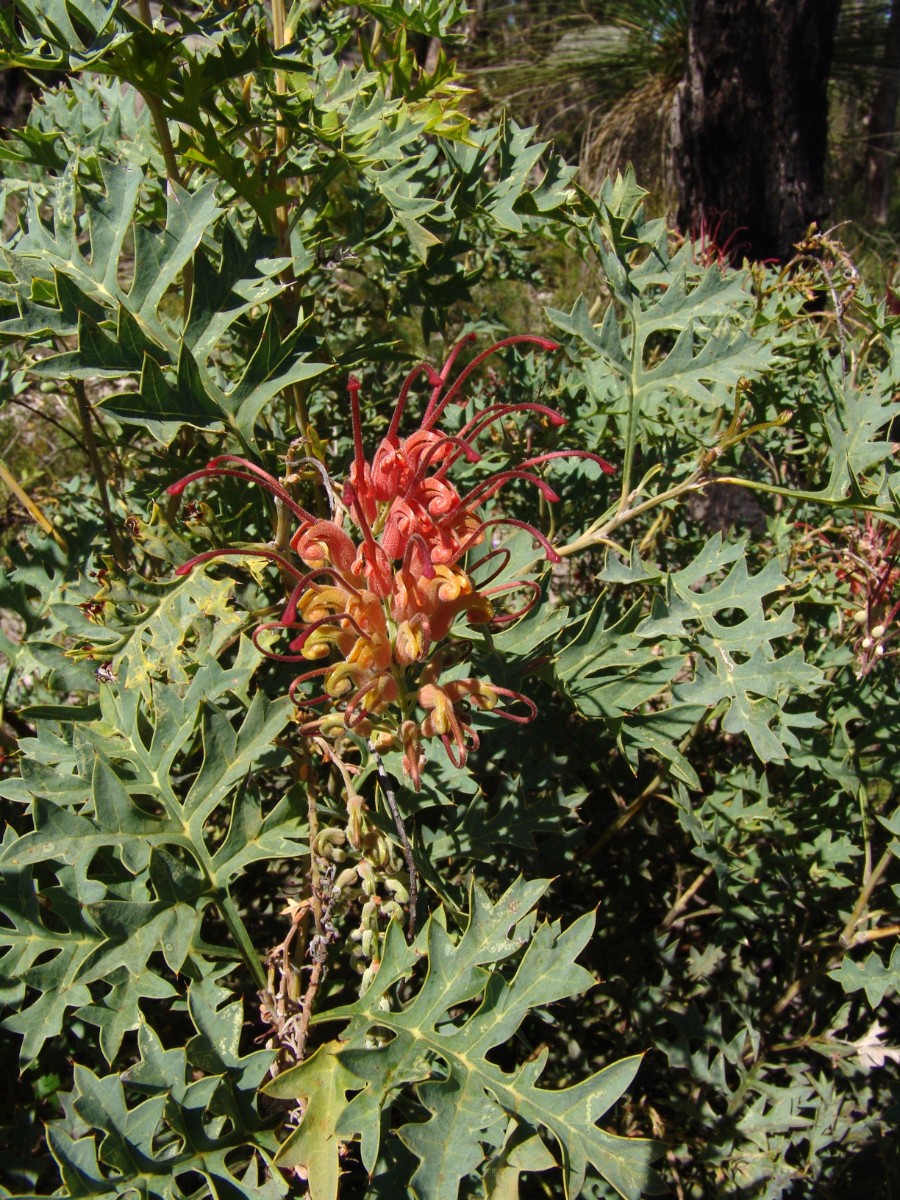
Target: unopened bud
[327,843]
[397,889]
[332,725]
[347,878]
[355,806]
[367,877]
[411,642]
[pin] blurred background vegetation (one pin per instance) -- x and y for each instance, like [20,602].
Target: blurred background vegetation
[604,78]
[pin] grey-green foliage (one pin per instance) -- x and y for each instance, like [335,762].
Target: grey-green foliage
[156,793]
[159,813]
[437,1044]
[120,330]
[128,841]
[738,669]
[192,1115]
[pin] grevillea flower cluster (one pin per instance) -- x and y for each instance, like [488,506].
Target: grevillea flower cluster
[376,589]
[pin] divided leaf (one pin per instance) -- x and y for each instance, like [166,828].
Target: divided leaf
[726,628]
[435,1046]
[122,825]
[182,1127]
[874,976]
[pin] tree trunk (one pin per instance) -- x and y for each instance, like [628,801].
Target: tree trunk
[750,123]
[881,135]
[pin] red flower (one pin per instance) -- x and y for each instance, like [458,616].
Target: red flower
[373,606]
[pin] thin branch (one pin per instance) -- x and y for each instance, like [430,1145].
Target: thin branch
[874,935]
[164,137]
[51,420]
[862,903]
[685,898]
[846,941]
[319,940]
[156,112]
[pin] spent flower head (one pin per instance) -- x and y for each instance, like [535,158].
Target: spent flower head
[375,589]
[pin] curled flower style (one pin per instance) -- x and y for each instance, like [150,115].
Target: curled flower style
[382,582]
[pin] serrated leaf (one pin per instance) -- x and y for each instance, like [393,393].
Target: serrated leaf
[710,352]
[439,1042]
[314,1148]
[728,622]
[855,429]
[118,803]
[874,976]
[30,939]
[611,672]
[156,645]
[58,34]
[174,1132]
[521,1152]
[275,364]
[118,1012]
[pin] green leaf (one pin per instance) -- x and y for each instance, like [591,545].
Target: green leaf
[437,1043]
[276,363]
[124,822]
[162,408]
[731,626]
[875,976]
[174,1132]
[119,1012]
[48,940]
[611,672]
[855,427]
[432,18]
[314,1148]
[58,34]
[521,1152]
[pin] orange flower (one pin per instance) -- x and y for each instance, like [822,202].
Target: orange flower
[375,605]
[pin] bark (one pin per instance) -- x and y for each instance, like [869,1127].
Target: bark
[750,123]
[881,135]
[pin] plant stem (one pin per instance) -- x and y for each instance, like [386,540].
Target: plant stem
[846,939]
[278,40]
[685,898]
[238,931]
[874,935]
[315,889]
[90,442]
[599,533]
[50,420]
[634,408]
[161,125]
